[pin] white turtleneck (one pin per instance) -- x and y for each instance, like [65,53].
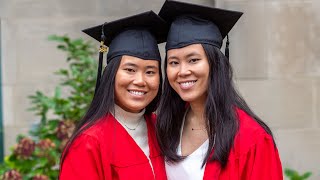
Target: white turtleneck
[134,121]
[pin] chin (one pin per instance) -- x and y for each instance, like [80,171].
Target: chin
[187,99]
[137,107]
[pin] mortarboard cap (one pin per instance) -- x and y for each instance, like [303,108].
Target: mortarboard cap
[136,36]
[191,24]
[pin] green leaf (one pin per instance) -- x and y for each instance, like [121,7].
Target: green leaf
[64,72]
[77,42]
[306,175]
[294,175]
[57,92]
[19,137]
[54,38]
[62,47]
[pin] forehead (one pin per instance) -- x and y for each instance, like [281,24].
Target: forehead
[135,61]
[193,49]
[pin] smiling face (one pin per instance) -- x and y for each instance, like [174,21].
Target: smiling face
[136,83]
[188,72]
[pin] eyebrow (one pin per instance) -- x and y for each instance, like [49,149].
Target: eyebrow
[134,65]
[192,54]
[172,57]
[151,67]
[186,56]
[129,64]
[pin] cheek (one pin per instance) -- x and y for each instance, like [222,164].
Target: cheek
[154,83]
[170,75]
[120,87]
[205,82]
[207,74]
[121,79]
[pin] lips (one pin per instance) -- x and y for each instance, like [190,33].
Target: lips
[187,84]
[137,93]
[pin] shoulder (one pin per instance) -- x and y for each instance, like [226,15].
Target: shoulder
[249,135]
[92,137]
[100,129]
[248,125]
[84,142]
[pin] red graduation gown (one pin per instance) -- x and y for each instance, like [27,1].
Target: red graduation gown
[107,151]
[254,156]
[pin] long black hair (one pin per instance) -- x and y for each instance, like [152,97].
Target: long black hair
[104,100]
[220,112]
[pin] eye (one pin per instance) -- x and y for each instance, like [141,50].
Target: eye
[194,60]
[150,72]
[173,63]
[129,70]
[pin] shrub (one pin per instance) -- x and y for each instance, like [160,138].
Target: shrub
[36,155]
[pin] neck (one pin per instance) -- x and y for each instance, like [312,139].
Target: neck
[126,117]
[196,116]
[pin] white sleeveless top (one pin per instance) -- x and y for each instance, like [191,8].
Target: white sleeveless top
[190,167]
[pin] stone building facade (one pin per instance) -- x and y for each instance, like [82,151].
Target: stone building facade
[275,52]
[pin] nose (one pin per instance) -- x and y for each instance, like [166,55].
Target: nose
[139,80]
[184,70]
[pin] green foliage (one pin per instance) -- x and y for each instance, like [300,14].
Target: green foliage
[40,162]
[38,153]
[79,79]
[294,175]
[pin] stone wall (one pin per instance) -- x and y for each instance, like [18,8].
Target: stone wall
[276,56]
[274,50]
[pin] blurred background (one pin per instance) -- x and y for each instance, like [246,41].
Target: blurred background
[275,52]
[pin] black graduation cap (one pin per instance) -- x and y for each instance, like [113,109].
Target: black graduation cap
[191,24]
[136,36]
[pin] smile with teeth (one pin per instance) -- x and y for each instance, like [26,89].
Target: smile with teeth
[187,84]
[137,93]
